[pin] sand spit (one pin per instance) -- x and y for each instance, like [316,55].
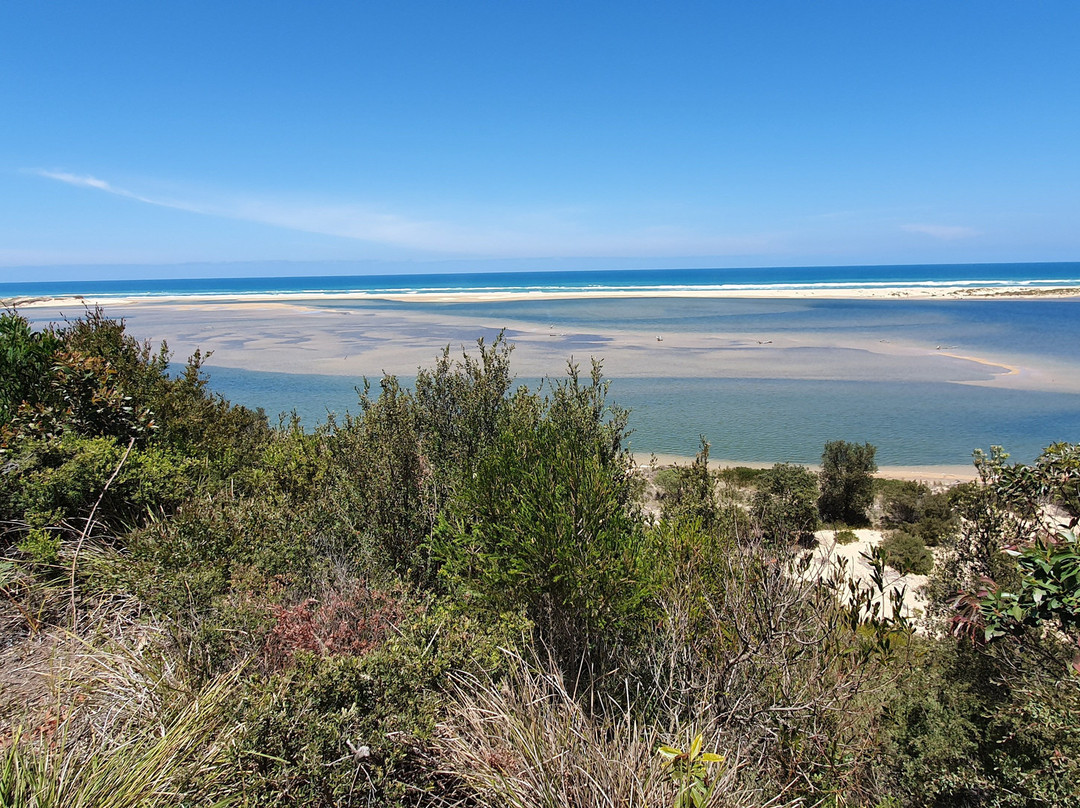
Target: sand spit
[474,296]
[273,334]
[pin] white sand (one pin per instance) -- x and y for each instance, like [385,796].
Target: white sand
[930,475]
[828,555]
[443,296]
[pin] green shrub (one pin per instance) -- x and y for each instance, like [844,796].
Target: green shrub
[378,504]
[41,546]
[934,530]
[193,421]
[917,510]
[547,523]
[969,728]
[355,728]
[785,504]
[667,482]
[692,495]
[50,480]
[742,476]
[847,483]
[906,553]
[461,409]
[26,358]
[901,501]
[845,536]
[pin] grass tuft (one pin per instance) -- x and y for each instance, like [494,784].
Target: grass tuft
[526,742]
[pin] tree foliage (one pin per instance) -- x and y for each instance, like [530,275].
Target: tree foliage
[545,522]
[690,492]
[906,553]
[847,482]
[785,504]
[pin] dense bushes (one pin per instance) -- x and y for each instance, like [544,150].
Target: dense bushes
[455,598]
[334,726]
[78,396]
[983,726]
[919,511]
[546,522]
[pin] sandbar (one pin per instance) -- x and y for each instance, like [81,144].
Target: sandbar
[298,337]
[356,340]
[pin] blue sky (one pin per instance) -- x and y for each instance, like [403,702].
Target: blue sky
[516,134]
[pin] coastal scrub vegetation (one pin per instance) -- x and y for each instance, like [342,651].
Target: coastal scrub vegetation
[467,594]
[847,482]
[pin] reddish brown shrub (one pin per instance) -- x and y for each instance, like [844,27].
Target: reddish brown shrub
[350,622]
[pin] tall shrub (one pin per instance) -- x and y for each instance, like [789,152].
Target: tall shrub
[546,521]
[847,482]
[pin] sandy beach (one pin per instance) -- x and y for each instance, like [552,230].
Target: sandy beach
[819,292]
[929,475]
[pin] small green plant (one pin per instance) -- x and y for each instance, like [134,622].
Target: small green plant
[690,773]
[845,536]
[906,553]
[667,482]
[41,546]
[742,476]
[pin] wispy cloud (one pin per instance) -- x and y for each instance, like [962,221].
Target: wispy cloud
[76,179]
[343,220]
[88,181]
[553,232]
[944,232]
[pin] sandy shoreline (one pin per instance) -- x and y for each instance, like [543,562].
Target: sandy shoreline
[913,292]
[929,474]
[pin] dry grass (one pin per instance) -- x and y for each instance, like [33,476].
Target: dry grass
[526,742]
[776,671]
[101,713]
[176,758]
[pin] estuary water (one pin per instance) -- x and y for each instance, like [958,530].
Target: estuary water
[760,417]
[756,420]
[763,379]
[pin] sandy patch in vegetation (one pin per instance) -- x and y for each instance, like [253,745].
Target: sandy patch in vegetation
[829,555]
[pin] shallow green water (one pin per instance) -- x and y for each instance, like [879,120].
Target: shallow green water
[760,420]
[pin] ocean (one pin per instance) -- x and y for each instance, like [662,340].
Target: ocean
[749,412]
[637,280]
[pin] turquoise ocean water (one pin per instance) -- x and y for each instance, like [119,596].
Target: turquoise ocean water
[763,420]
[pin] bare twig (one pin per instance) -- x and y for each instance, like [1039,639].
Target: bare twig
[90,522]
